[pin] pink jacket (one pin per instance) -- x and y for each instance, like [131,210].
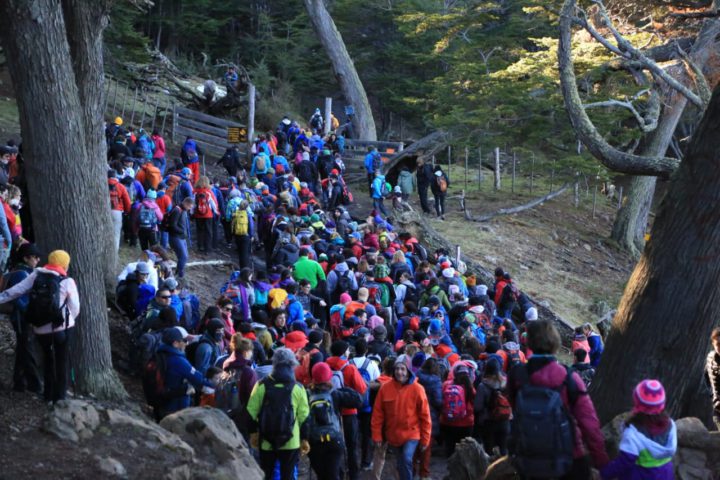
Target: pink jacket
[68,293]
[159,146]
[588,437]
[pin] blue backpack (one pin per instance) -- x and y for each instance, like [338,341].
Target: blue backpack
[191,310]
[366,406]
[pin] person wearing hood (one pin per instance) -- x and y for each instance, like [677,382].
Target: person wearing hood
[373,165]
[379,345]
[401,417]
[334,285]
[239,366]
[440,184]
[649,440]
[376,191]
[146,218]
[209,345]
[432,289]
[280,382]
[407,183]
[287,254]
[119,205]
[429,378]
[54,335]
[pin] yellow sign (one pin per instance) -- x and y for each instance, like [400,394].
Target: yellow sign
[236,134]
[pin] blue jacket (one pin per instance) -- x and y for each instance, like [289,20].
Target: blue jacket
[294,310]
[433,390]
[206,354]
[596,349]
[280,160]
[220,199]
[377,186]
[177,372]
[254,170]
[371,161]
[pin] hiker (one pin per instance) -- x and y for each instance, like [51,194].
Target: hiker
[308,269]
[379,191]
[242,228]
[595,343]
[407,183]
[373,165]
[53,306]
[158,156]
[370,372]
[119,205]
[206,350]
[458,417]
[582,366]
[146,218]
[492,409]
[177,233]
[181,379]
[148,175]
[429,377]
[278,407]
[712,374]
[150,258]
[133,294]
[439,186]
[401,418]
[157,305]
[540,457]
[340,280]
[26,370]
[327,446]
[351,378]
[649,439]
[206,207]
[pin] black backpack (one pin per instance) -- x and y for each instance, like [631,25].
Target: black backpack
[344,284]
[277,415]
[323,421]
[543,429]
[191,350]
[44,302]
[153,381]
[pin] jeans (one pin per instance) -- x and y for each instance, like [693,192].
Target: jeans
[55,356]
[404,456]
[164,239]
[326,460]
[495,434]
[117,218]
[421,462]
[350,427]
[422,191]
[366,449]
[243,243]
[379,205]
[288,461]
[440,204]
[204,233]
[26,373]
[179,246]
[160,164]
[147,237]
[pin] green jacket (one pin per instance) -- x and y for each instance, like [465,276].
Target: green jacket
[310,270]
[438,292]
[300,406]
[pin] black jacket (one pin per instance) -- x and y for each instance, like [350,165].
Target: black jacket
[177,223]
[424,175]
[712,376]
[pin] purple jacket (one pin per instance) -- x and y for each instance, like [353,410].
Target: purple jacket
[643,457]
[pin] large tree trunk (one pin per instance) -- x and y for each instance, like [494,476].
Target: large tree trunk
[66,179]
[85,23]
[344,68]
[631,221]
[672,300]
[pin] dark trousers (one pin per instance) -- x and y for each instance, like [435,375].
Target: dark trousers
[129,234]
[495,434]
[227,232]
[288,461]
[379,206]
[204,233]
[243,243]
[55,356]
[452,436]
[216,229]
[370,178]
[440,204]
[581,470]
[350,426]
[366,445]
[26,374]
[326,460]
[147,237]
[422,191]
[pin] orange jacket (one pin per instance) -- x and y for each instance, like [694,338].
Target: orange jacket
[351,378]
[401,413]
[442,351]
[165,203]
[122,199]
[352,306]
[506,358]
[149,175]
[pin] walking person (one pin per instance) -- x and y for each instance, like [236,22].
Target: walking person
[53,306]
[158,157]
[119,204]
[379,191]
[401,417]
[206,208]
[373,165]
[146,218]
[424,176]
[177,234]
[439,186]
[242,227]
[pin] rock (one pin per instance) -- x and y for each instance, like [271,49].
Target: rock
[544,303]
[112,467]
[688,472]
[72,420]
[501,469]
[600,308]
[132,444]
[160,435]
[179,473]
[613,432]
[691,457]
[587,247]
[469,462]
[692,433]
[212,434]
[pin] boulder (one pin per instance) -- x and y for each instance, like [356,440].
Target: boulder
[153,431]
[111,467]
[613,432]
[501,469]
[469,462]
[692,433]
[216,439]
[72,420]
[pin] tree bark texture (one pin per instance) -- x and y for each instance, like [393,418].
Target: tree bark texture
[344,68]
[66,179]
[672,299]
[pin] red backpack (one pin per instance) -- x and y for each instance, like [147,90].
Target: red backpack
[202,204]
[414,323]
[115,200]
[453,407]
[336,319]
[500,408]
[302,371]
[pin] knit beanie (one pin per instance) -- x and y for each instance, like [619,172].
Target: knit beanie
[284,356]
[59,258]
[321,373]
[649,397]
[345,298]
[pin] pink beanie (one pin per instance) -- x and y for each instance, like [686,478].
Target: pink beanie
[649,397]
[345,298]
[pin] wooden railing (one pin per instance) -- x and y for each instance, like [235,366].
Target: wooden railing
[211,133]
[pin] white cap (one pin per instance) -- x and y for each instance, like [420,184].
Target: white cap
[531,314]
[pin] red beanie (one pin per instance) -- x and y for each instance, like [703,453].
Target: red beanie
[321,373]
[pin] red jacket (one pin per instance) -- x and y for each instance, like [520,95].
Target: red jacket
[351,377]
[499,287]
[122,202]
[588,437]
[469,419]
[164,202]
[212,203]
[401,413]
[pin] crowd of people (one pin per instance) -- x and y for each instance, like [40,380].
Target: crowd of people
[346,339]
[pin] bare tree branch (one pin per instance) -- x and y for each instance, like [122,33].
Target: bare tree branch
[646,124]
[697,75]
[519,208]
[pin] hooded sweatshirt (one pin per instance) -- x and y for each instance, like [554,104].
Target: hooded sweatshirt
[642,457]
[401,413]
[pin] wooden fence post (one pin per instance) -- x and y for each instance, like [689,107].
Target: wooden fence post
[155,113]
[174,115]
[251,119]
[620,193]
[480,167]
[124,100]
[132,116]
[532,172]
[497,168]
[512,185]
[594,199]
[449,159]
[167,111]
[142,118]
[117,84]
[466,167]
[328,115]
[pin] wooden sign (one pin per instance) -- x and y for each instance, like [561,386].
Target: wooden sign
[236,134]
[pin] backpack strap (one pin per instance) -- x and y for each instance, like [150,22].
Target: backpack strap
[365,363]
[573,392]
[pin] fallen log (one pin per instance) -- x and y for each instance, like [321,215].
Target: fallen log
[519,208]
